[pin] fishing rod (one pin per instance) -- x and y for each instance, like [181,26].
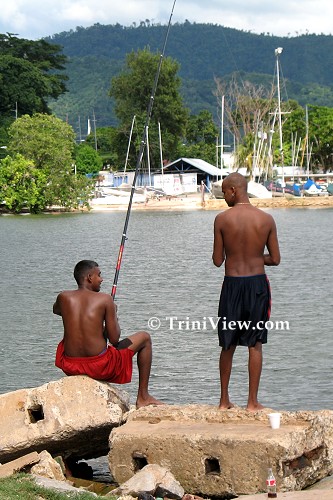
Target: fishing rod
[139,158]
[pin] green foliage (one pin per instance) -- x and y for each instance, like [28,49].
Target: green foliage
[200,138]
[203,51]
[132,90]
[48,144]
[22,185]
[68,191]
[87,160]
[321,136]
[43,139]
[88,93]
[28,76]
[107,139]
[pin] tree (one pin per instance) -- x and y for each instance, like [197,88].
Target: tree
[29,75]
[200,138]
[43,139]
[87,160]
[132,90]
[48,143]
[321,136]
[107,145]
[22,185]
[252,117]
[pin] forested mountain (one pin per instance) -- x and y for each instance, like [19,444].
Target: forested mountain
[204,51]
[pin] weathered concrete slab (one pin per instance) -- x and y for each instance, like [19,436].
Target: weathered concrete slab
[215,453]
[72,416]
[18,464]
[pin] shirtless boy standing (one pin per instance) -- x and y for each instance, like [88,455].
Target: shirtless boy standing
[241,235]
[90,322]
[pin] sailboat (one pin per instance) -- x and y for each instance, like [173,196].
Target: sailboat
[254,189]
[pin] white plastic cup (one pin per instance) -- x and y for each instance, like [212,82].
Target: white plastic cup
[274,420]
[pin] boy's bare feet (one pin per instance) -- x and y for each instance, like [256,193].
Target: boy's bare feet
[226,405]
[254,407]
[148,401]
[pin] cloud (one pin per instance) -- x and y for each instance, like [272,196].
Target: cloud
[37,18]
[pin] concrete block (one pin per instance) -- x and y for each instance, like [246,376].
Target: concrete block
[72,417]
[215,453]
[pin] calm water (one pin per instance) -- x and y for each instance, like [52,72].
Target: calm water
[167,272]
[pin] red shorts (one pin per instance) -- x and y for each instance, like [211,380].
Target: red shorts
[111,366]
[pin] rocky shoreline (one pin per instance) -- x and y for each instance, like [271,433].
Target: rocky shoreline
[197,449]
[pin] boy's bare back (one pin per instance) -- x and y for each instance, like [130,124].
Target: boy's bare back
[84,313]
[241,235]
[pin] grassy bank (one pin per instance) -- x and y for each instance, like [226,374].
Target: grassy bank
[22,487]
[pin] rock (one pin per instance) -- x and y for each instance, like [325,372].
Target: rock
[48,467]
[152,480]
[187,496]
[324,484]
[60,486]
[72,416]
[125,497]
[145,496]
[219,453]
[18,464]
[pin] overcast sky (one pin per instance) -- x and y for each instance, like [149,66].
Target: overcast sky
[34,19]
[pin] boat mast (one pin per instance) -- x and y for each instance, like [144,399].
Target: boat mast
[128,147]
[161,152]
[278,52]
[307,142]
[222,135]
[148,155]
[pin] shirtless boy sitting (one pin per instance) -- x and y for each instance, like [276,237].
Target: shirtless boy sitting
[91,345]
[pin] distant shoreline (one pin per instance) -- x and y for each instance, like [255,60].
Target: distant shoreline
[194,202]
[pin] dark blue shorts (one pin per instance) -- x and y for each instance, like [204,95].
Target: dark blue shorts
[245,306]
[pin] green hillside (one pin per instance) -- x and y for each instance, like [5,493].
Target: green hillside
[204,51]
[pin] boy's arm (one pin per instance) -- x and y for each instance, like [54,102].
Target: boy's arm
[273,257]
[112,328]
[218,249]
[56,306]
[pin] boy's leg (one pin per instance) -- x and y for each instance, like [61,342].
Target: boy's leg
[225,372]
[255,367]
[141,344]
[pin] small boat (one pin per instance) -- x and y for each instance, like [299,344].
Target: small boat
[310,188]
[256,190]
[277,190]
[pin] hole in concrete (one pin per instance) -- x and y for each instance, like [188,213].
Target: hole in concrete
[36,413]
[212,466]
[305,460]
[139,462]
